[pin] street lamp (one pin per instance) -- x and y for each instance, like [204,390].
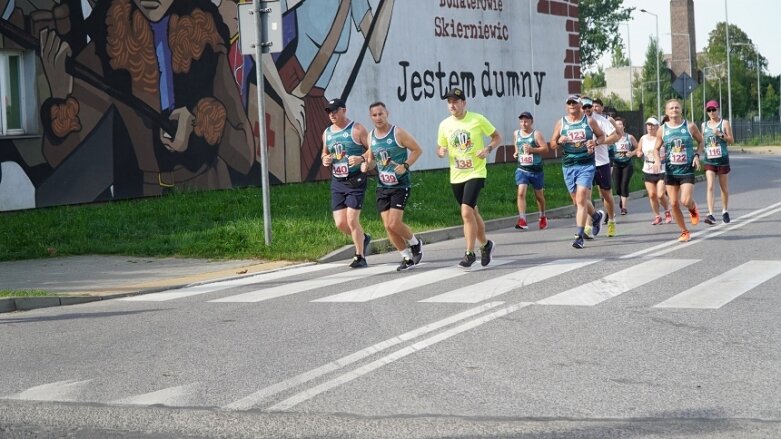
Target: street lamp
[729,63]
[704,81]
[658,87]
[691,72]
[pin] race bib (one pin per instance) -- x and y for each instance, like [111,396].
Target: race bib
[463,163]
[388,178]
[576,136]
[340,170]
[679,158]
[526,159]
[622,147]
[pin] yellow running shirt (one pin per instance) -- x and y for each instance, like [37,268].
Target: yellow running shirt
[464,138]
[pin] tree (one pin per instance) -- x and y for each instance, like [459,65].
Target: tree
[770,102]
[619,59]
[594,80]
[645,84]
[599,28]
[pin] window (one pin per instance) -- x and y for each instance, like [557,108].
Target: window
[16,93]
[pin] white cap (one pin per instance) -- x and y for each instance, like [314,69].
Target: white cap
[652,120]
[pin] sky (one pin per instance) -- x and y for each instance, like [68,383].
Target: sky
[759,19]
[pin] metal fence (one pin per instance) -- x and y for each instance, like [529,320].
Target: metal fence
[750,131]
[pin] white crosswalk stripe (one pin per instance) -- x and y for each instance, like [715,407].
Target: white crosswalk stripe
[503,284]
[405,283]
[67,390]
[720,290]
[224,285]
[612,285]
[299,287]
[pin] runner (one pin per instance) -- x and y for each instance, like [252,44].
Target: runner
[529,145]
[461,136]
[717,132]
[602,160]
[577,135]
[344,152]
[623,168]
[393,150]
[678,137]
[654,182]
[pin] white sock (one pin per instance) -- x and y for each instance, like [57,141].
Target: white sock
[522,216]
[413,240]
[406,253]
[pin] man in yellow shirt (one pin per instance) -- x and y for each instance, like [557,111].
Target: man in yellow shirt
[461,136]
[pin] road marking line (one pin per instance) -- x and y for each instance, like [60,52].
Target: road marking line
[494,287]
[705,234]
[171,397]
[720,290]
[407,282]
[254,399]
[67,390]
[306,285]
[401,353]
[617,283]
[224,285]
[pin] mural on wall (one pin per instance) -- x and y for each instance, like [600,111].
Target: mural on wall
[134,98]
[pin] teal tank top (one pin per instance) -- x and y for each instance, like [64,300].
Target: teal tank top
[389,154]
[577,133]
[679,149]
[527,162]
[622,147]
[716,153]
[341,145]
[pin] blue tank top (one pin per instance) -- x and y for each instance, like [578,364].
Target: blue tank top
[577,133]
[715,147]
[679,148]
[528,162]
[341,145]
[389,154]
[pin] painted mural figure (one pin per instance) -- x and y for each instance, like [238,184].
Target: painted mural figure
[174,57]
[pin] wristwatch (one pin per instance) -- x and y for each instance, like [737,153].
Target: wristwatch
[406,165]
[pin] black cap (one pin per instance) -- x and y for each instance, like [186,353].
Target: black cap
[598,101]
[335,104]
[455,93]
[527,115]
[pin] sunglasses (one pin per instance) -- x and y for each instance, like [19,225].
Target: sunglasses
[587,107]
[572,102]
[711,110]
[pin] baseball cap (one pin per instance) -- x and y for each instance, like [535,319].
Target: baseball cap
[335,104]
[455,93]
[575,98]
[586,102]
[652,121]
[527,115]
[598,101]
[711,104]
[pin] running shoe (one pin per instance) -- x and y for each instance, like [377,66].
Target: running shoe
[624,211]
[725,217]
[358,262]
[587,233]
[406,264]
[485,253]
[469,259]
[685,236]
[578,242]
[668,218]
[521,225]
[695,215]
[417,252]
[611,228]
[710,220]
[596,224]
[543,222]
[367,239]
[657,221]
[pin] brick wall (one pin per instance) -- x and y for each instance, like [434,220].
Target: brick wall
[571,65]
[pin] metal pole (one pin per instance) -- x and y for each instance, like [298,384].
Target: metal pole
[729,64]
[759,93]
[629,55]
[658,83]
[262,122]
[691,74]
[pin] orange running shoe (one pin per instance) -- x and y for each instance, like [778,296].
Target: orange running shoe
[695,215]
[685,236]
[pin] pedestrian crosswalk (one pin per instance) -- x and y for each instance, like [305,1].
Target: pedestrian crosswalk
[382,281]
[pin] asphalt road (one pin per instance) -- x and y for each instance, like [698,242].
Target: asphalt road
[633,336]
